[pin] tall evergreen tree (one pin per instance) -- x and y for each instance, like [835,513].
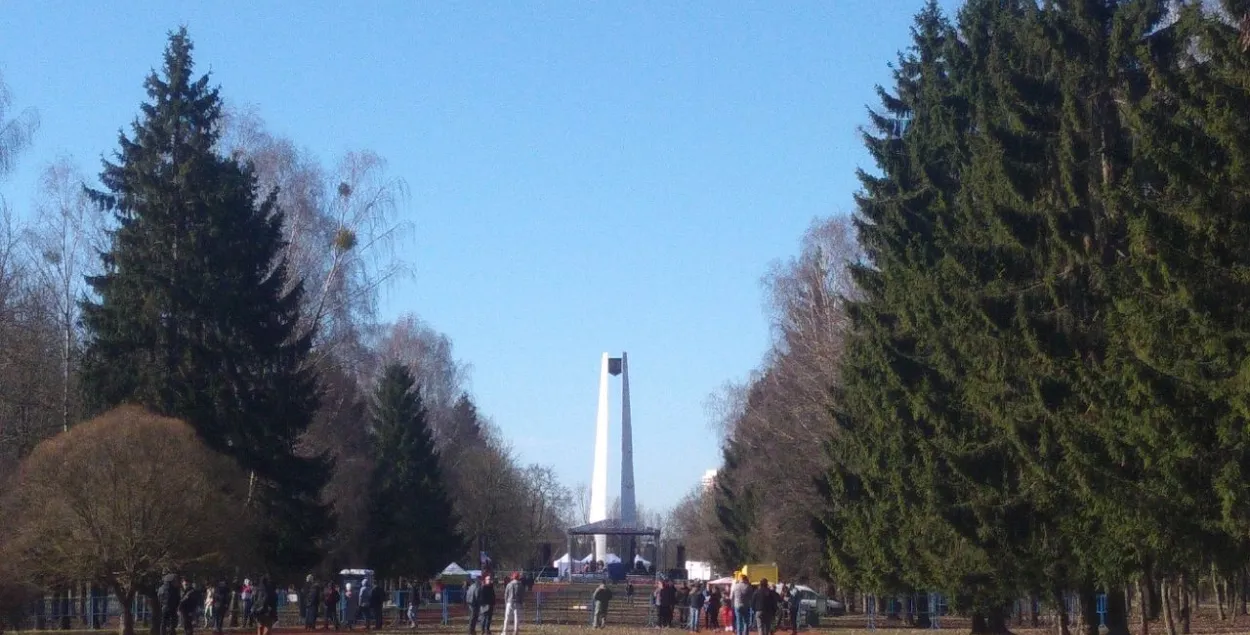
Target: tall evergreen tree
[412,528]
[192,319]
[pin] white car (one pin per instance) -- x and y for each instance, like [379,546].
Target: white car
[808,598]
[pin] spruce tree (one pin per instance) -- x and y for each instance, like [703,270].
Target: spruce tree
[412,528]
[193,317]
[927,492]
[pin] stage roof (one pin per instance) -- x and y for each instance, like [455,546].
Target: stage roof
[612,527]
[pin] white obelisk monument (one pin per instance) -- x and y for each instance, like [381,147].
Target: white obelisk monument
[628,508]
[599,477]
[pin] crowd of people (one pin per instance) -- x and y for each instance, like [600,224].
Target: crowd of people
[183,603]
[746,607]
[481,600]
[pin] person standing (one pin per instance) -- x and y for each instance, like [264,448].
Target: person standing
[513,600]
[473,600]
[795,605]
[377,601]
[712,608]
[330,599]
[765,603]
[739,595]
[265,606]
[221,604]
[245,594]
[602,596]
[486,597]
[668,600]
[168,595]
[188,606]
[310,602]
[695,600]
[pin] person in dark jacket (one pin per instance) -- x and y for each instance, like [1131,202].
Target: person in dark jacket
[667,600]
[795,605]
[377,600]
[330,600]
[486,597]
[765,603]
[310,602]
[221,605]
[188,604]
[473,600]
[695,600]
[600,599]
[712,608]
[265,606]
[168,595]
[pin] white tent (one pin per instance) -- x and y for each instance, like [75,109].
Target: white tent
[454,569]
[644,561]
[611,559]
[563,561]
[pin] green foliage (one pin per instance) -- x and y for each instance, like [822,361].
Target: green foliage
[1046,372]
[195,317]
[412,529]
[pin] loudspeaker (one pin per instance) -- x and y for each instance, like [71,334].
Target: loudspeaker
[681,555]
[546,550]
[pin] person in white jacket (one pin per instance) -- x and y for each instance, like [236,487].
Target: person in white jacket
[513,600]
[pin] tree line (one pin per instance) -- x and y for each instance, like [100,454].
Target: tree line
[220,278]
[1027,373]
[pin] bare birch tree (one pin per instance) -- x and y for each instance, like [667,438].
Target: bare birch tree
[16,130]
[62,244]
[343,225]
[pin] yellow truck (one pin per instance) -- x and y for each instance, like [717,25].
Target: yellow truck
[756,571]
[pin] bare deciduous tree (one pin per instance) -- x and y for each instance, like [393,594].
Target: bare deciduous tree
[342,228]
[62,245]
[779,418]
[16,130]
[145,496]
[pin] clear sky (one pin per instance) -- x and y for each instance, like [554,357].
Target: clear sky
[585,176]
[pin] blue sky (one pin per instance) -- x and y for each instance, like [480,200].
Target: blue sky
[585,176]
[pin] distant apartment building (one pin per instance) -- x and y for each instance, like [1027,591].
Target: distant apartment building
[708,480]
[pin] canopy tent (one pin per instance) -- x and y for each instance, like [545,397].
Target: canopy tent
[639,559]
[563,561]
[454,574]
[611,559]
[726,581]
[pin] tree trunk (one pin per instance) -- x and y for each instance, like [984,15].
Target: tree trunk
[1143,606]
[1241,592]
[1065,624]
[1165,594]
[126,597]
[990,622]
[1087,604]
[1154,604]
[1117,611]
[1182,590]
[1218,583]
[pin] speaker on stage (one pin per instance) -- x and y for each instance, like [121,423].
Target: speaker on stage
[681,555]
[546,551]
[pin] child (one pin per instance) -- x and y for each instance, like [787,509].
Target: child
[727,616]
